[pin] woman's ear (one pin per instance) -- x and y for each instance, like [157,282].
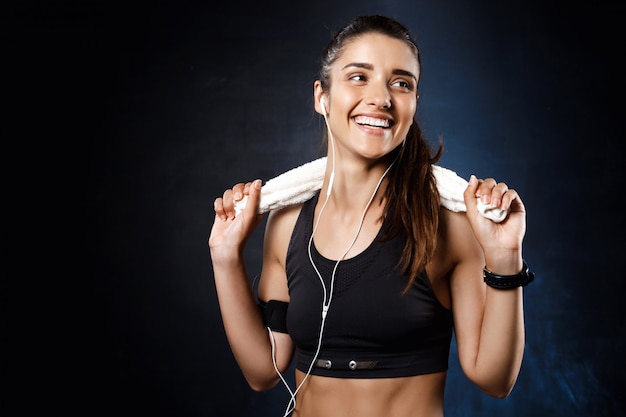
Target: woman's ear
[321,105]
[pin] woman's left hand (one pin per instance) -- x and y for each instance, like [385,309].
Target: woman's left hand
[501,242]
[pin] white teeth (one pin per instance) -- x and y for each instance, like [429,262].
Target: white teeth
[372,121]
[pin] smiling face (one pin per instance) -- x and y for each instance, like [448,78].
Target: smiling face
[372,97]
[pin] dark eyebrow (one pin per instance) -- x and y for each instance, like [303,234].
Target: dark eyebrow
[358,65]
[371,67]
[405,73]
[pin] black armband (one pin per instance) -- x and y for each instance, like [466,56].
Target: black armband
[275,315]
[522,279]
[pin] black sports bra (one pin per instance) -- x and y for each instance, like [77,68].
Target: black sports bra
[372,330]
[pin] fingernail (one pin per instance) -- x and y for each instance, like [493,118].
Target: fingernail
[257,184]
[472,179]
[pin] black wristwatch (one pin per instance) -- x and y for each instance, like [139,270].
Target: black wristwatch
[502,282]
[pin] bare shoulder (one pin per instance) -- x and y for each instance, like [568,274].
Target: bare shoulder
[464,254]
[280,224]
[456,245]
[455,240]
[458,235]
[278,230]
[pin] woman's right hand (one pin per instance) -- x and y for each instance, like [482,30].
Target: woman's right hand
[230,232]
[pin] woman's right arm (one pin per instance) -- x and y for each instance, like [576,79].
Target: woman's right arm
[247,335]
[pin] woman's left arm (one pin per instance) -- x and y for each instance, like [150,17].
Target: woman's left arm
[489,322]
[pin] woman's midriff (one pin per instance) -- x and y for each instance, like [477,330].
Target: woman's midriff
[415,396]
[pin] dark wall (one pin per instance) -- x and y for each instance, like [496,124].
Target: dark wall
[139,116]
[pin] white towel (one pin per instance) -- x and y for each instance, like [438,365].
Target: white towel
[301,183]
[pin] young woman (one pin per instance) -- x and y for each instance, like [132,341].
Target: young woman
[362,284]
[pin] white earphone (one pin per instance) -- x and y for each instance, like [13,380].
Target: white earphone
[332,142]
[328,293]
[323,103]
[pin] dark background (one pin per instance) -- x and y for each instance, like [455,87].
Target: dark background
[126,120]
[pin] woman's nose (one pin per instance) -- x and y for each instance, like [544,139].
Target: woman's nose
[378,96]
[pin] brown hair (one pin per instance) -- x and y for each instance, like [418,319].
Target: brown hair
[412,198]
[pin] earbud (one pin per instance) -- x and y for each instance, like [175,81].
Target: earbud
[323,103]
